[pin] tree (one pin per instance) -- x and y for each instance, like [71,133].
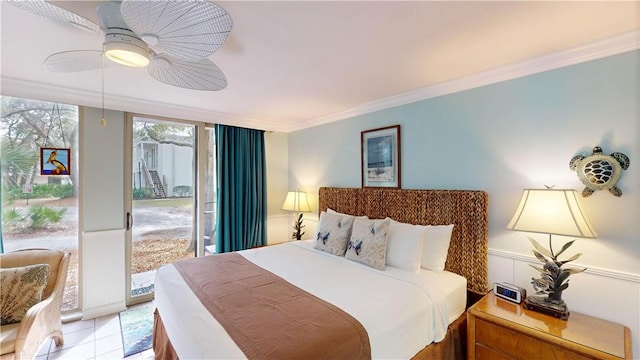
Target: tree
[163,134]
[28,125]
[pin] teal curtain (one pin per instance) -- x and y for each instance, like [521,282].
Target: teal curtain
[242,191]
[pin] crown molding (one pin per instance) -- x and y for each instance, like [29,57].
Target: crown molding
[610,46]
[54,93]
[614,45]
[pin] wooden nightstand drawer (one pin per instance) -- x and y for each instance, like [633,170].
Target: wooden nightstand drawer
[498,331]
[483,353]
[516,345]
[509,342]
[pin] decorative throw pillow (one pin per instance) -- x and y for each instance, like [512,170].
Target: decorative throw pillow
[368,243]
[436,247]
[21,288]
[333,233]
[404,248]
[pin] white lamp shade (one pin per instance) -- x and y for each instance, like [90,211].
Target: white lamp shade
[551,211]
[296,201]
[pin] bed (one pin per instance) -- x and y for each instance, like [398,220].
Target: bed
[393,312]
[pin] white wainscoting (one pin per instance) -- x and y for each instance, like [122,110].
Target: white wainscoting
[280,227]
[603,293]
[103,275]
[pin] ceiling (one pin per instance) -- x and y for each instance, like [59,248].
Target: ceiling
[296,64]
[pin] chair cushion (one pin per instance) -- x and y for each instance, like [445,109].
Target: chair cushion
[8,334]
[20,289]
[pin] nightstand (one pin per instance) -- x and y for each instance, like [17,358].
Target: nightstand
[498,329]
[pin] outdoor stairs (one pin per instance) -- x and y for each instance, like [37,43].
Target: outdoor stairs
[158,188]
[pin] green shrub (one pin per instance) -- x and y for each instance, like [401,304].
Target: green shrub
[62,191]
[13,193]
[143,193]
[13,219]
[12,216]
[182,190]
[40,191]
[41,216]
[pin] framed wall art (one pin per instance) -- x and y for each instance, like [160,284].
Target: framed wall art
[55,161]
[380,157]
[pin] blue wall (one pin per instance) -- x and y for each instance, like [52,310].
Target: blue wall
[503,138]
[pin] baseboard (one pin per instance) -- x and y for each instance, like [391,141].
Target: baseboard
[103,310]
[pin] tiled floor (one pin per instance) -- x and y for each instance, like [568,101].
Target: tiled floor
[90,339]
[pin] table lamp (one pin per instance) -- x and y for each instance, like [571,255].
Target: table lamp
[296,201]
[553,212]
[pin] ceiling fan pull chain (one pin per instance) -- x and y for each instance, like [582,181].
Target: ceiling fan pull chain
[103,122]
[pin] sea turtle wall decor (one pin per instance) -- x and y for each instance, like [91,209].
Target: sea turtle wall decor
[598,171]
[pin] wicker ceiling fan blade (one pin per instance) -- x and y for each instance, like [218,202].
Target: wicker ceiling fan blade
[75,61]
[182,29]
[55,13]
[196,75]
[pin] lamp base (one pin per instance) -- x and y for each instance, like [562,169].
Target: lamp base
[297,226]
[543,305]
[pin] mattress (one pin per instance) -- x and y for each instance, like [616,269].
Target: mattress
[402,311]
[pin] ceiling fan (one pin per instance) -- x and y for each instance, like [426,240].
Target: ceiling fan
[172,38]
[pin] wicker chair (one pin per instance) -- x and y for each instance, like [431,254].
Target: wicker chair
[43,320]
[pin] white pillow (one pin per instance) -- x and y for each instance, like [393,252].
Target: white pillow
[331,211]
[404,248]
[436,247]
[368,242]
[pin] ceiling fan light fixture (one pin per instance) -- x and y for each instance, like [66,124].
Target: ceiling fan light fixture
[127,57]
[126,50]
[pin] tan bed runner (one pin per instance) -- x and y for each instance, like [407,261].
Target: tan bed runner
[269,318]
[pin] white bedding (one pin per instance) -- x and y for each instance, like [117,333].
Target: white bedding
[402,311]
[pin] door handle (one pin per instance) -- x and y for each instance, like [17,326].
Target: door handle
[129,221]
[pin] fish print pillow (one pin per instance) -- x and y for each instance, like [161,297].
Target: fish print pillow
[368,242]
[333,233]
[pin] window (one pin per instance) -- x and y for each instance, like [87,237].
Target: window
[40,210]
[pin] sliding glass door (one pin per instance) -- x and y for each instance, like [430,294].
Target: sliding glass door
[164,222]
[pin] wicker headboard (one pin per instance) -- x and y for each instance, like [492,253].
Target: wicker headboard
[467,209]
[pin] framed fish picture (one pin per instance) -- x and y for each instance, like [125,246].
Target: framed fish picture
[55,161]
[380,157]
